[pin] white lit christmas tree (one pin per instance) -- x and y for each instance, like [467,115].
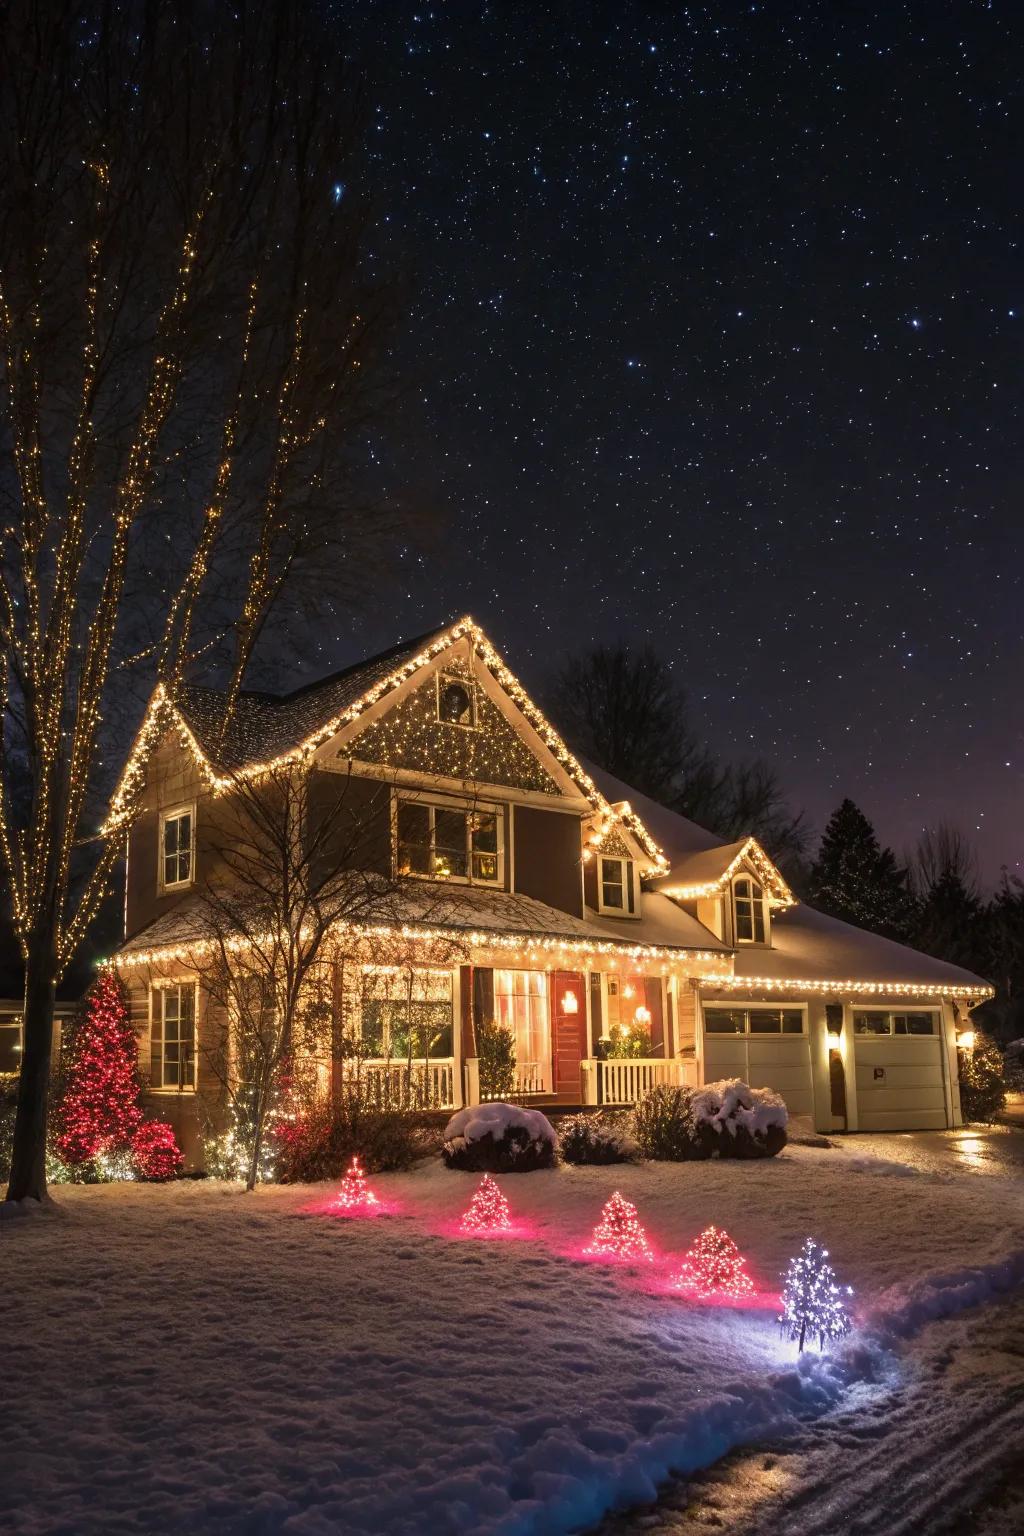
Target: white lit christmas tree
[488,1210]
[714,1266]
[813,1302]
[355,1194]
[619,1235]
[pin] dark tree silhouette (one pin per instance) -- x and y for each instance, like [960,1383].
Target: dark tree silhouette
[854,878]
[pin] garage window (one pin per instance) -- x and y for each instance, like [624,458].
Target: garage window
[882,1022]
[754,1021]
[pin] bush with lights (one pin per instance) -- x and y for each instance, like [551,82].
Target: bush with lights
[100,1130]
[488,1211]
[813,1302]
[982,1085]
[714,1267]
[619,1235]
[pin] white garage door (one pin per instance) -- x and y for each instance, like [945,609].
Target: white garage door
[782,1062]
[899,1083]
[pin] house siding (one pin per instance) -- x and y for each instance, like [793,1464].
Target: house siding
[547,857]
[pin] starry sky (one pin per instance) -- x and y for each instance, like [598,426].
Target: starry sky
[715,342]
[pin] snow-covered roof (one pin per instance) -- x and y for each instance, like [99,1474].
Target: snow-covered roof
[478,912]
[677,837]
[809,945]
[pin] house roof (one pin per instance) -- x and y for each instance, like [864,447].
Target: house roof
[483,915]
[811,945]
[265,725]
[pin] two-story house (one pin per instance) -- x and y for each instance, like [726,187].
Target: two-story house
[535,891]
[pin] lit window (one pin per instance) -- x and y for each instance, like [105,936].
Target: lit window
[521,1005]
[176,847]
[751,911]
[877,1022]
[174,1037]
[406,1014]
[446,842]
[615,885]
[456,701]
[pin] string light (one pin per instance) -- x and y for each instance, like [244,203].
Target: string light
[813,1302]
[488,1210]
[355,1194]
[715,1267]
[867,988]
[619,1235]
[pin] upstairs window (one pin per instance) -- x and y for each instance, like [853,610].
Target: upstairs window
[750,911]
[447,842]
[882,1022]
[615,886]
[177,850]
[456,700]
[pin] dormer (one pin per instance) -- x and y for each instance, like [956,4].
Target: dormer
[617,855]
[732,889]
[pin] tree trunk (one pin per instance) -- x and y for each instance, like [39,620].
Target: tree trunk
[28,1155]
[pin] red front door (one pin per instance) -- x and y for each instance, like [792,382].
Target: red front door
[569,1033]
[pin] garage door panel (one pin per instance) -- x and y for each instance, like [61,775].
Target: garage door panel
[724,1057]
[911,1096]
[898,1075]
[782,1064]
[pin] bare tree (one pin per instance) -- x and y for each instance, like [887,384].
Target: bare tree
[295,891]
[184,324]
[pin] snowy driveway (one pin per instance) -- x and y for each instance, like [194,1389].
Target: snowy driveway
[193,1359]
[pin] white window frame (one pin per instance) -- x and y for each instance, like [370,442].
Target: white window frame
[766,919]
[435,803]
[174,813]
[442,681]
[631,906]
[890,1016]
[746,1033]
[158,995]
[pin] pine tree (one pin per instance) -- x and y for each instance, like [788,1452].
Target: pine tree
[982,1085]
[619,1235]
[488,1209]
[855,879]
[812,1300]
[714,1266]
[100,1110]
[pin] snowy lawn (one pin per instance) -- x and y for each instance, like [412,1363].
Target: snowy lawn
[190,1358]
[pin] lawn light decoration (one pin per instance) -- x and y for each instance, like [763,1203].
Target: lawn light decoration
[714,1267]
[619,1235]
[812,1300]
[355,1194]
[488,1211]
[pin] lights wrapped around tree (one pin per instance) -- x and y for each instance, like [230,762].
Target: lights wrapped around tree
[714,1267]
[355,1195]
[813,1304]
[488,1211]
[619,1235]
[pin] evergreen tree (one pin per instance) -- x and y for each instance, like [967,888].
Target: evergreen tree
[855,879]
[982,1087]
[100,1110]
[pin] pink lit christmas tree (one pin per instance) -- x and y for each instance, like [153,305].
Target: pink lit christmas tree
[619,1235]
[714,1266]
[355,1194]
[488,1210]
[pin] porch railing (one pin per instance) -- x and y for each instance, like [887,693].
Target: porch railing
[623,1080]
[405,1085]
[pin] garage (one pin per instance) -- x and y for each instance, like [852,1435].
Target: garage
[767,1047]
[898,1065]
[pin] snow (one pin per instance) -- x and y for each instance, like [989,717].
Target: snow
[730,1103]
[468,1125]
[189,1358]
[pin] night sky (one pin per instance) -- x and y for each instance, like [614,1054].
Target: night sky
[717,340]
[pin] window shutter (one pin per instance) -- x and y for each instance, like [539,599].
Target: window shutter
[156,1037]
[483,995]
[630,883]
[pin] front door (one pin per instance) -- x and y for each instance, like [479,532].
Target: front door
[569,1027]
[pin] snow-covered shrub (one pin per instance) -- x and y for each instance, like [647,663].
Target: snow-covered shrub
[748,1122]
[982,1090]
[596,1138]
[727,1119]
[499,1138]
[320,1142]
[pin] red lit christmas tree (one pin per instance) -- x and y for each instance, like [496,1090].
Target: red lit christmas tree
[714,1266]
[619,1235]
[100,1109]
[355,1194]
[488,1209]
